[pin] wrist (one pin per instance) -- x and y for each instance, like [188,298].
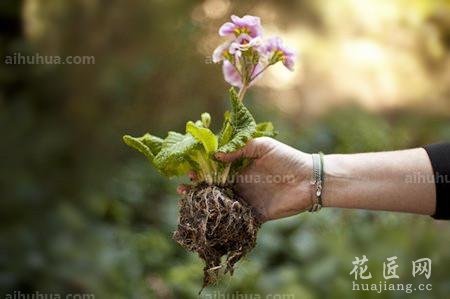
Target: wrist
[303,186]
[336,181]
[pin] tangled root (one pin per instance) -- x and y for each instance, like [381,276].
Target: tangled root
[214,222]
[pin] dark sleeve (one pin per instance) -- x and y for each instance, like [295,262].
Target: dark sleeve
[439,154]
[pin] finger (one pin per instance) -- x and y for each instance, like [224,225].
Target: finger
[182,189]
[192,175]
[230,157]
[255,148]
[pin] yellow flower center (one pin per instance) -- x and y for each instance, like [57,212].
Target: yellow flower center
[278,55]
[240,30]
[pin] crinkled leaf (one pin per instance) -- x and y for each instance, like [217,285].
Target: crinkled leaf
[227,130]
[154,143]
[173,159]
[203,135]
[148,145]
[265,129]
[242,123]
[226,134]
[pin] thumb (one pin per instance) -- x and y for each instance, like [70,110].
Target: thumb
[253,149]
[230,157]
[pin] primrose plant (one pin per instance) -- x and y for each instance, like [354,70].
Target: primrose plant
[244,56]
[214,221]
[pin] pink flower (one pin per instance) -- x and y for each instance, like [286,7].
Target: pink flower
[243,43]
[250,25]
[247,56]
[280,52]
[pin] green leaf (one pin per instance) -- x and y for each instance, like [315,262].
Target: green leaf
[242,123]
[203,135]
[226,133]
[148,145]
[265,129]
[154,143]
[174,157]
[206,119]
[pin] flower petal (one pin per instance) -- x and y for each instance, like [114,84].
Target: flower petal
[236,20]
[227,29]
[273,44]
[289,62]
[231,75]
[243,43]
[217,55]
[254,24]
[251,23]
[289,57]
[235,50]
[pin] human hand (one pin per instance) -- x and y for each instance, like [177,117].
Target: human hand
[277,183]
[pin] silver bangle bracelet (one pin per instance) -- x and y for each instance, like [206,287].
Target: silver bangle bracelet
[318,177]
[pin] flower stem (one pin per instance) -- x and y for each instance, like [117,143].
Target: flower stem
[242,92]
[259,73]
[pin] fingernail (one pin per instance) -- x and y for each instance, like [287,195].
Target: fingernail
[181,190]
[192,175]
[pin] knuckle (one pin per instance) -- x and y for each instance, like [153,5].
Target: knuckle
[263,139]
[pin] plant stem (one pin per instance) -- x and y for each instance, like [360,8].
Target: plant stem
[206,168]
[225,173]
[242,92]
[259,73]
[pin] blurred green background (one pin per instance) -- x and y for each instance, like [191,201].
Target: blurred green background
[82,213]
